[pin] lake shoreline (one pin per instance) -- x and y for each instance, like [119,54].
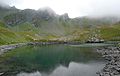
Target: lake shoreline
[112,55]
[6,48]
[77,55]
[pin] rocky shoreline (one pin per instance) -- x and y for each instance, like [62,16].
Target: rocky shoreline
[6,48]
[112,55]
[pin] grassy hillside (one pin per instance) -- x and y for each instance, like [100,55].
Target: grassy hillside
[27,32]
[13,35]
[45,25]
[111,33]
[7,36]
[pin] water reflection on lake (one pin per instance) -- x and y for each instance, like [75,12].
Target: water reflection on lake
[52,60]
[74,69]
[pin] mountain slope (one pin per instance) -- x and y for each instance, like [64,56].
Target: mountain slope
[45,25]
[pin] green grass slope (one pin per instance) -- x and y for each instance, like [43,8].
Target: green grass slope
[110,33]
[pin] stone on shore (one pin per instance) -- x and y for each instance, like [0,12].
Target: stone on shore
[112,68]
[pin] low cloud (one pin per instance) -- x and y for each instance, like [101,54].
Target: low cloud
[94,8]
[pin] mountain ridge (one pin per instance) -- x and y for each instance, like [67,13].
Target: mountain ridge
[45,25]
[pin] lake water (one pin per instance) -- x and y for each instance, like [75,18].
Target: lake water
[52,60]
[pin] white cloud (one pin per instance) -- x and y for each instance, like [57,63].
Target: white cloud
[73,7]
[105,8]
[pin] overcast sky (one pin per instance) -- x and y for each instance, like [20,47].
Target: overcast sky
[74,8]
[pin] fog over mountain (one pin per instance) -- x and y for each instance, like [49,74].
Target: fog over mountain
[62,20]
[74,8]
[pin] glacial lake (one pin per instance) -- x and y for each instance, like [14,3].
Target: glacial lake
[52,60]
